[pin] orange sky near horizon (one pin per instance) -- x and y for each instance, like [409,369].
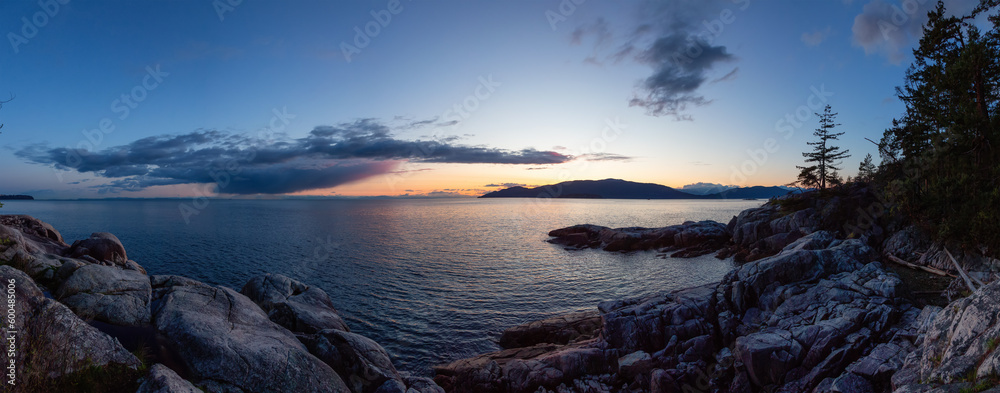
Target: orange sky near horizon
[473,179]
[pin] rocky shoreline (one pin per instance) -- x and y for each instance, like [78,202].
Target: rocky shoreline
[86,318]
[810,307]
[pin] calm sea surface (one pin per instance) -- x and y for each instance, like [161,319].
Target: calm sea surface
[432,280]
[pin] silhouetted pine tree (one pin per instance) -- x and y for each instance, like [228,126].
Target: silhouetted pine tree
[826,156]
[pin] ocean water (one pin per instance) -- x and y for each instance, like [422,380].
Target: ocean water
[432,280]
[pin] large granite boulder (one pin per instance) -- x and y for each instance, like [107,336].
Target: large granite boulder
[229,344]
[52,345]
[108,294]
[101,246]
[296,306]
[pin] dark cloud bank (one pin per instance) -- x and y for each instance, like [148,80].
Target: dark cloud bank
[329,156]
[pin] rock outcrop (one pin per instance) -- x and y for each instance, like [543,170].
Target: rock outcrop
[685,240]
[294,305]
[102,246]
[108,294]
[820,315]
[286,336]
[228,343]
[162,379]
[959,347]
[561,329]
[52,345]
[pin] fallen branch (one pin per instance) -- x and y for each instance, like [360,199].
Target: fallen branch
[961,271]
[918,267]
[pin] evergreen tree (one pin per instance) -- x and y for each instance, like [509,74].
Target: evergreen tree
[866,171]
[807,177]
[826,156]
[943,152]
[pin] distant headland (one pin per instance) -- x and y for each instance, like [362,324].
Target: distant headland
[623,189]
[16,197]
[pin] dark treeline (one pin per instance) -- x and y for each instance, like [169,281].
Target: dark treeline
[940,159]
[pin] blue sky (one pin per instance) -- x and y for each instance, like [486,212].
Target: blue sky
[266,78]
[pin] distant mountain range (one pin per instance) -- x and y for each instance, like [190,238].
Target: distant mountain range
[622,189]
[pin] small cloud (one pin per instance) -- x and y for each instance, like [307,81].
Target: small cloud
[604,157]
[445,194]
[891,29]
[505,185]
[817,37]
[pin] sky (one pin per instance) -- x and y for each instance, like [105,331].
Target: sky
[260,98]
